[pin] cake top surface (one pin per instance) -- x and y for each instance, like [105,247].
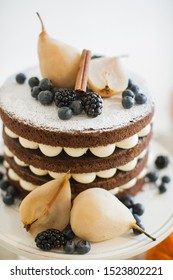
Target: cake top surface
[17,101]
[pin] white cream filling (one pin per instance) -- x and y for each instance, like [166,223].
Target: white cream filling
[28,144]
[129,184]
[37,171]
[19,162]
[145,131]
[27,185]
[101,151]
[75,152]
[104,151]
[7,152]
[30,187]
[128,166]
[12,174]
[84,178]
[50,151]
[6,164]
[107,173]
[10,133]
[128,143]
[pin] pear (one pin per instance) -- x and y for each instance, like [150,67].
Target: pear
[48,206]
[59,62]
[97,215]
[107,76]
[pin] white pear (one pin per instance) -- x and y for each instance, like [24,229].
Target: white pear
[48,206]
[59,62]
[98,215]
[107,76]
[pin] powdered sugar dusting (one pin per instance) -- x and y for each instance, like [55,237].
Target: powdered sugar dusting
[17,101]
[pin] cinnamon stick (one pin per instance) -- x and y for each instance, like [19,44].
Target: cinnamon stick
[82,76]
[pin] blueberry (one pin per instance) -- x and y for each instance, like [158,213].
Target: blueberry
[35,91]
[127,200]
[140,98]
[1,159]
[54,89]
[33,82]
[69,247]
[68,233]
[8,199]
[134,88]
[136,217]
[136,231]
[11,190]
[152,176]
[166,179]
[161,162]
[20,78]
[128,102]
[1,175]
[45,84]
[162,188]
[128,92]
[4,185]
[138,209]
[130,83]
[65,113]
[83,247]
[76,107]
[45,97]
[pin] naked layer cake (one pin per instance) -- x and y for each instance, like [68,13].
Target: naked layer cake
[109,151]
[105,146]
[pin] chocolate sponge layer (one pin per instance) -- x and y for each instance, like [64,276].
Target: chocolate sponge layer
[117,180]
[75,139]
[84,164]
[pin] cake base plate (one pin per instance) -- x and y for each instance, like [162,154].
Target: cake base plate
[157,219]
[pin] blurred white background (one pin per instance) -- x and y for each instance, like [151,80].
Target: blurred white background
[141,28]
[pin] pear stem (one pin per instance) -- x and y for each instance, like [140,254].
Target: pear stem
[135,226]
[42,25]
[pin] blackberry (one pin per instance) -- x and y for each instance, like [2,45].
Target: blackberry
[161,162]
[93,104]
[64,96]
[50,239]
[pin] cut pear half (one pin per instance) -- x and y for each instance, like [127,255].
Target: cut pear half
[107,76]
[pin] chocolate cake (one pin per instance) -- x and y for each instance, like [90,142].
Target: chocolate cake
[109,151]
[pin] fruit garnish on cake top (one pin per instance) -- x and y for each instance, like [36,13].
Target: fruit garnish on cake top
[58,62]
